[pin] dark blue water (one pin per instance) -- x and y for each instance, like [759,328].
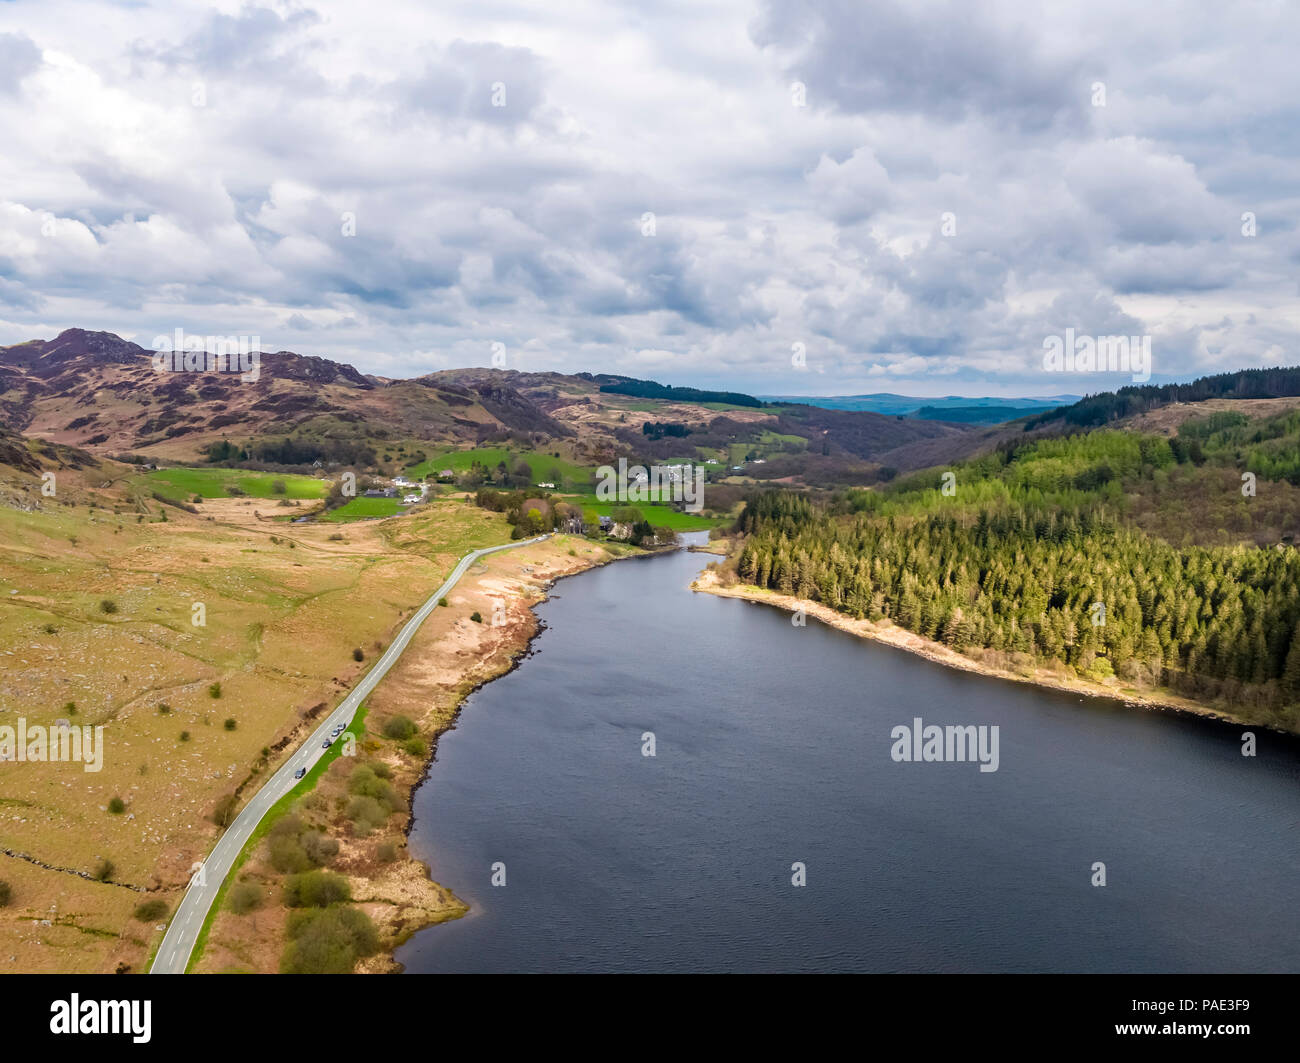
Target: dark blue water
[773,748]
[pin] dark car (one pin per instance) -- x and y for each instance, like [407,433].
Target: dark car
[327,743]
[300,773]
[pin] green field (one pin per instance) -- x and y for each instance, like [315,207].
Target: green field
[541,463]
[659,516]
[182,484]
[361,508]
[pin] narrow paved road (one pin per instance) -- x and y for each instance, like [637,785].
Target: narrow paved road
[177,944]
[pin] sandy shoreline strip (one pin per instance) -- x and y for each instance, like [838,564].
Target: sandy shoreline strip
[892,635]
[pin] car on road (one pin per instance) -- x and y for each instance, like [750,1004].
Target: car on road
[327,743]
[300,773]
[338,730]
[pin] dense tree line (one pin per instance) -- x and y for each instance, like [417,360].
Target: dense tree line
[1243,384]
[1029,560]
[648,389]
[289,451]
[660,429]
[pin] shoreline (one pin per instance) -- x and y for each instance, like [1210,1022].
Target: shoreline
[449,658]
[891,634]
[515,648]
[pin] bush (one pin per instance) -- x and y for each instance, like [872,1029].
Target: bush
[185,736]
[476,617]
[230,723]
[214,691]
[328,941]
[364,782]
[357,655]
[163,708]
[399,727]
[70,708]
[151,911]
[287,855]
[116,805]
[103,870]
[245,897]
[416,747]
[108,606]
[319,848]
[442,601]
[6,894]
[366,814]
[387,852]
[223,814]
[278,486]
[316,889]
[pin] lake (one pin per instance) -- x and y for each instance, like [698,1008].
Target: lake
[772,748]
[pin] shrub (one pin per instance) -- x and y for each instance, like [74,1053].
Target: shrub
[163,708]
[381,769]
[6,894]
[103,870]
[387,852]
[416,747]
[70,708]
[357,655]
[245,897]
[399,727]
[151,911]
[117,806]
[278,487]
[287,855]
[476,617]
[108,606]
[316,889]
[185,736]
[214,691]
[230,724]
[223,814]
[442,601]
[365,783]
[366,814]
[319,848]
[328,941]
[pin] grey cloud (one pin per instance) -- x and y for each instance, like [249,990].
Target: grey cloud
[19,57]
[945,59]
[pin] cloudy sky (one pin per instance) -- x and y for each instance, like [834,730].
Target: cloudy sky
[915,193]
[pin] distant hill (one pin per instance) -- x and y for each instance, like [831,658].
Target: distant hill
[954,408]
[97,391]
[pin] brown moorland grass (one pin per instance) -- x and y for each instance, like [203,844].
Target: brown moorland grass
[280,626]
